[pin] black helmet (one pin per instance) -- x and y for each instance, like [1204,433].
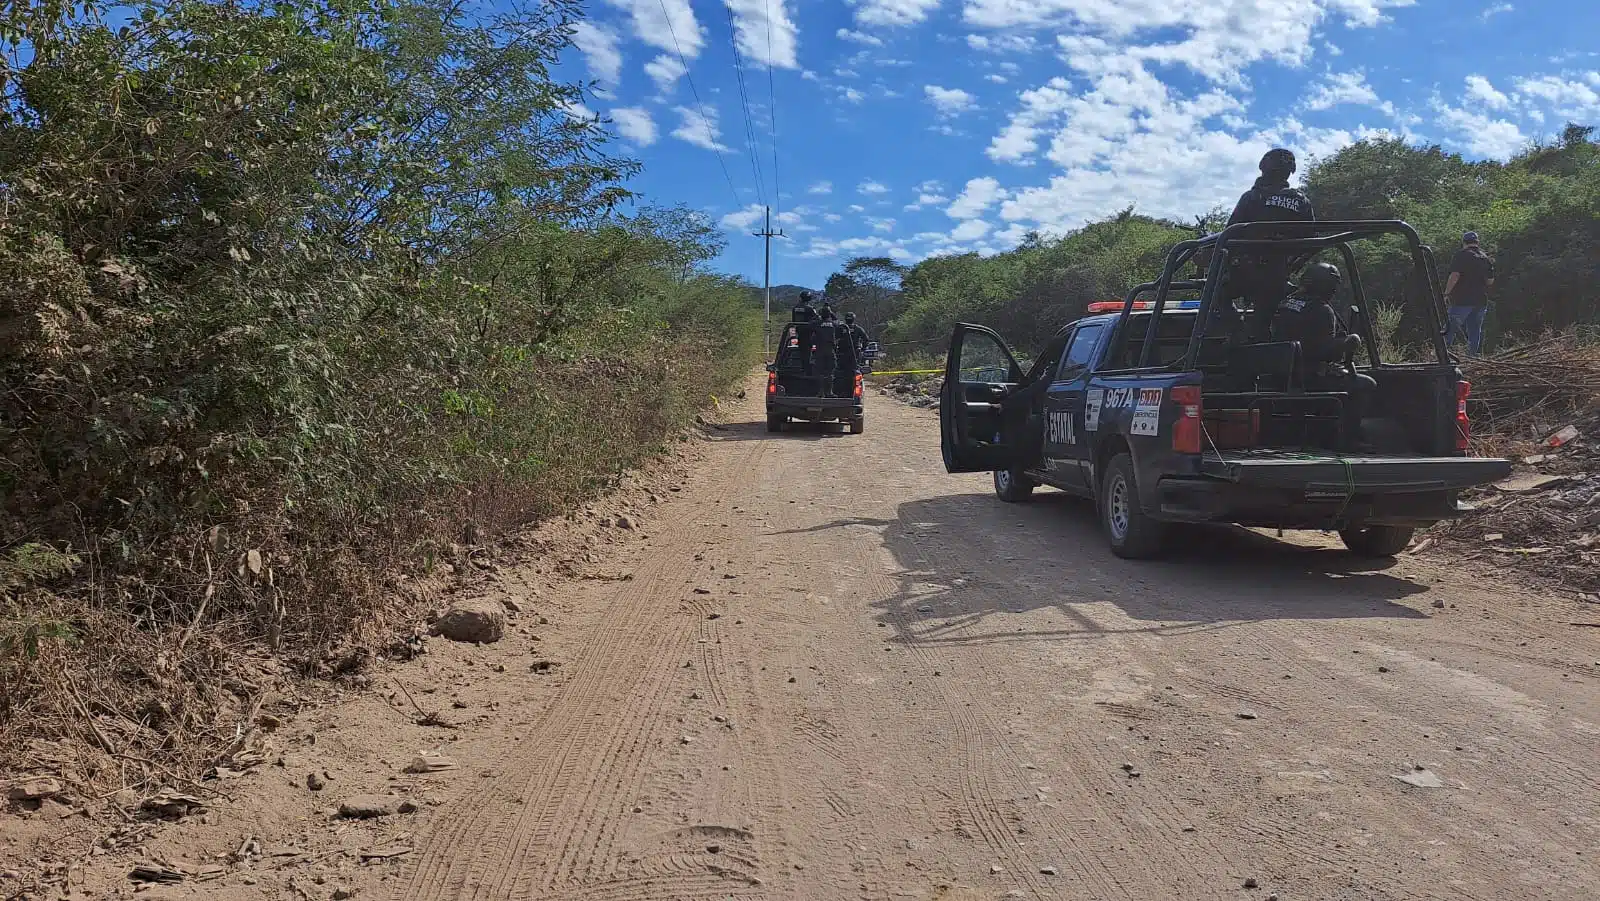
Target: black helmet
[850,318]
[805,296]
[1321,280]
[1278,161]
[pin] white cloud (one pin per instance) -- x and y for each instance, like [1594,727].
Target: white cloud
[665,24]
[1479,133]
[1342,88]
[1496,10]
[1571,98]
[858,37]
[1481,91]
[995,78]
[821,187]
[1002,43]
[976,197]
[700,130]
[872,187]
[599,48]
[880,224]
[635,124]
[948,101]
[856,208]
[832,217]
[931,185]
[579,111]
[764,32]
[748,217]
[853,95]
[665,70]
[893,13]
[925,199]
[970,230]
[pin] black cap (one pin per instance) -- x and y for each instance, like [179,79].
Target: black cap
[1278,161]
[849,317]
[805,296]
[1321,280]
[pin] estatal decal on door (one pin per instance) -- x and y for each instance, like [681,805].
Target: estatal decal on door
[1060,429]
[1147,412]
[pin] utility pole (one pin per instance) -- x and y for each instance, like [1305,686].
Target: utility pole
[768,234]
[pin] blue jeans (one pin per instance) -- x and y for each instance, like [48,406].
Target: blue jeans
[1467,321]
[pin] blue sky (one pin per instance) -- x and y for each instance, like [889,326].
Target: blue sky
[910,128]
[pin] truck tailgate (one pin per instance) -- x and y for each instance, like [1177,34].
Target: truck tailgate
[1335,476]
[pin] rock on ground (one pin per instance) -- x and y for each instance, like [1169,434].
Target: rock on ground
[479,621]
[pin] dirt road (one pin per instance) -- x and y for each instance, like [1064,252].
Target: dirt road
[837,672]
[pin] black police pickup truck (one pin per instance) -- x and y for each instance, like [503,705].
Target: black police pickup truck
[1165,412]
[798,387]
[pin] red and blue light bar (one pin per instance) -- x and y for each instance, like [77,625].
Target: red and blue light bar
[1115,306]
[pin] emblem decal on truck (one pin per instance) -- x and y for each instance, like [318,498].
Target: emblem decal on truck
[1147,413]
[1091,409]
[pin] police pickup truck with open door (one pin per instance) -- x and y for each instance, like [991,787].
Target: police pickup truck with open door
[1163,413]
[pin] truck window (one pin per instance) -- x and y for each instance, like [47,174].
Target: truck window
[1079,355]
[984,360]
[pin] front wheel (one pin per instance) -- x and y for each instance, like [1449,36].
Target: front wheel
[1377,541]
[1132,533]
[1011,486]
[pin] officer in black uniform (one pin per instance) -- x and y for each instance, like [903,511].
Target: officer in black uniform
[825,351]
[858,335]
[1326,347]
[1309,317]
[1262,279]
[804,311]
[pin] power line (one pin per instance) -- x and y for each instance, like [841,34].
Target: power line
[744,103]
[705,120]
[772,117]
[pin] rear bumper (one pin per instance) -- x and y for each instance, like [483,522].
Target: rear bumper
[814,409]
[1298,493]
[1211,500]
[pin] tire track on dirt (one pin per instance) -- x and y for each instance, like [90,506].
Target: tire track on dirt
[492,837]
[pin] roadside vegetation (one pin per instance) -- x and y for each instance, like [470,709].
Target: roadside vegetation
[1538,214]
[299,297]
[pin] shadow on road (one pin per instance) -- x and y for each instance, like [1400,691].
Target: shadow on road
[757,431]
[968,562]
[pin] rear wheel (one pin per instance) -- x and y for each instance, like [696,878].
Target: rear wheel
[858,424]
[1377,541]
[775,422]
[1011,486]
[1131,532]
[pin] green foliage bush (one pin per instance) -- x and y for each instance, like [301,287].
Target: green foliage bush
[333,282]
[1538,214]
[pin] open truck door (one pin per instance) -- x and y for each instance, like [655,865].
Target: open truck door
[979,371]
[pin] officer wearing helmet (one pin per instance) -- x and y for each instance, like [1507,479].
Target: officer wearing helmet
[804,311]
[1309,317]
[1261,279]
[858,335]
[1271,199]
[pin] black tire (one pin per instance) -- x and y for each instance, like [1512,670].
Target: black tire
[1011,486]
[1377,541]
[1132,533]
[776,421]
[858,424]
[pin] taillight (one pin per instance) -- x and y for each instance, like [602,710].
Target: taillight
[858,384]
[1186,431]
[1463,424]
[772,383]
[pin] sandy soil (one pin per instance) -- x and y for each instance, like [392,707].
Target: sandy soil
[821,668]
